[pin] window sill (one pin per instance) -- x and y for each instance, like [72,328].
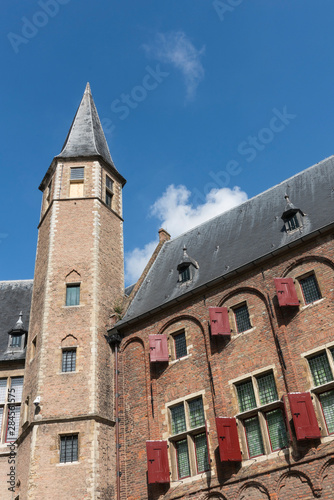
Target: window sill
[237,334]
[269,406]
[311,304]
[261,458]
[323,388]
[67,373]
[72,307]
[179,359]
[181,435]
[190,479]
[67,463]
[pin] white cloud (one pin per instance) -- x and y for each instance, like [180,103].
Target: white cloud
[176,48]
[177,215]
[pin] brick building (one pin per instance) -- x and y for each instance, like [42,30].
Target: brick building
[211,377]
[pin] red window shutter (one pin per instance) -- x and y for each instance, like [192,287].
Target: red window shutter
[158,348]
[286,292]
[229,447]
[157,462]
[304,417]
[219,321]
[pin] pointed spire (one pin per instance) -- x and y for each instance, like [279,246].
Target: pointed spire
[86,137]
[18,325]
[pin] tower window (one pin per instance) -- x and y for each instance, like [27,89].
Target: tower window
[72,295]
[310,289]
[77,173]
[184,274]
[77,182]
[69,360]
[69,448]
[109,191]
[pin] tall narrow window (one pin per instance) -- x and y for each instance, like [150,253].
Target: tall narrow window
[69,448]
[310,289]
[72,295]
[180,345]
[184,274]
[242,318]
[109,191]
[77,182]
[69,360]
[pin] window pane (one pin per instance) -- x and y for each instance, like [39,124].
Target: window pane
[201,452]
[293,223]
[310,289]
[242,318]
[68,449]
[108,199]
[246,396]
[196,413]
[180,345]
[185,274]
[3,390]
[15,341]
[182,458]
[277,431]
[320,369]
[109,183]
[72,295]
[178,419]
[77,173]
[13,422]
[68,361]
[17,385]
[327,403]
[254,437]
[267,389]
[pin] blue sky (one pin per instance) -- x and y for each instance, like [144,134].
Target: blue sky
[204,103]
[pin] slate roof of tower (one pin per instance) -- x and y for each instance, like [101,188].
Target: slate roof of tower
[239,237]
[86,137]
[15,296]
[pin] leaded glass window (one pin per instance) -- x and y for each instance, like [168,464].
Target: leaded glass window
[277,430]
[254,437]
[310,289]
[69,448]
[246,396]
[17,388]
[3,390]
[72,295]
[267,389]
[178,419]
[182,454]
[327,403]
[69,360]
[196,413]
[320,369]
[180,345]
[242,318]
[201,452]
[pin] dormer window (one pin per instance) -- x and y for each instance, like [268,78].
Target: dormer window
[186,267]
[17,336]
[292,216]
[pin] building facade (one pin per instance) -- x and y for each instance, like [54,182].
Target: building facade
[211,377]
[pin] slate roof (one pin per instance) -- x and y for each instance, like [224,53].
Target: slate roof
[243,235]
[15,296]
[86,137]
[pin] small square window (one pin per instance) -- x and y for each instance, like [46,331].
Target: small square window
[180,345]
[310,289]
[320,369]
[72,295]
[69,360]
[77,173]
[242,318]
[69,448]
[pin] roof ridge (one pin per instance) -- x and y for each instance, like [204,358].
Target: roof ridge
[251,199]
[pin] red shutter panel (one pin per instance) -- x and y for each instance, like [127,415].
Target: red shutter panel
[219,321]
[158,348]
[304,417]
[157,462]
[286,292]
[229,447]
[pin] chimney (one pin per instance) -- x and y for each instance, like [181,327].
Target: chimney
[163,235]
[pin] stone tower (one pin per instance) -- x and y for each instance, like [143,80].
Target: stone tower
[66,443]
